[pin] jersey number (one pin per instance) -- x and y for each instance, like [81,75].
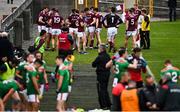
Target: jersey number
[174,76]
[27,78]
[117,69]
[112,19]
[132,21]
[56,20]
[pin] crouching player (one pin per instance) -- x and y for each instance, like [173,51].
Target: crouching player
[62,77]
[7,90]
[33,91]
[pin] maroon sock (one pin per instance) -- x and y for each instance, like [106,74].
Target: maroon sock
[92,43]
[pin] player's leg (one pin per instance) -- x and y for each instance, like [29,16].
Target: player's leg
[127,35]
[148,39]
[79,41]
[41,90]
[16,105]
[87,36]
[84,43]
[24,102]
[98,36]
[35,103]
[1,105]
[91,30]
[134,37]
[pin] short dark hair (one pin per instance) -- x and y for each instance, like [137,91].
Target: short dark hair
[167,61]
[131,10]
[77,11]
[113,9]
[86,9]
[122,50]
[137,49]
[61,57]
[38,61]
[96,9]
[92,7]
[144,10]
[42,32]
[73,10]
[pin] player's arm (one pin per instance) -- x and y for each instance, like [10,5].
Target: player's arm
[127,24]
[119,22]
[105,21]
[60,80]
[50,22]
[109,64]
[62,22]
[82,24]
[134,65]
[41,20]
[8,95]
[94,21]
[18,74]
[97,23]
[34,80]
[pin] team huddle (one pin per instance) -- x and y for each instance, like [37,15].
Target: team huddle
[85,26]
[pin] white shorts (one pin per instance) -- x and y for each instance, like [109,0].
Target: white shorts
[48,29]
[41,89]
[56,31]
[73,30]
[62,96]
[111,32]
[24,93]
[33,98]
[91,29]
[80,34]
[131,33]
[41,28]
[98,30]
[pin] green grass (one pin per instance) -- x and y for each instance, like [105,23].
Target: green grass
[165,41]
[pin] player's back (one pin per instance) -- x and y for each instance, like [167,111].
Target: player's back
[56,21]
[112,20]
[171,71]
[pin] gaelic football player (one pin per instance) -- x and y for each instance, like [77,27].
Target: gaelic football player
[131,28]
[81,34]
[43,81]
[72,23]
[111,22]
[99,24]
[56,21]
[62,77]
[90,21]
[33,90]
[171,70]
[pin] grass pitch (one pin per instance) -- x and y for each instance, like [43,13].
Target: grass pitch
[165,44]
